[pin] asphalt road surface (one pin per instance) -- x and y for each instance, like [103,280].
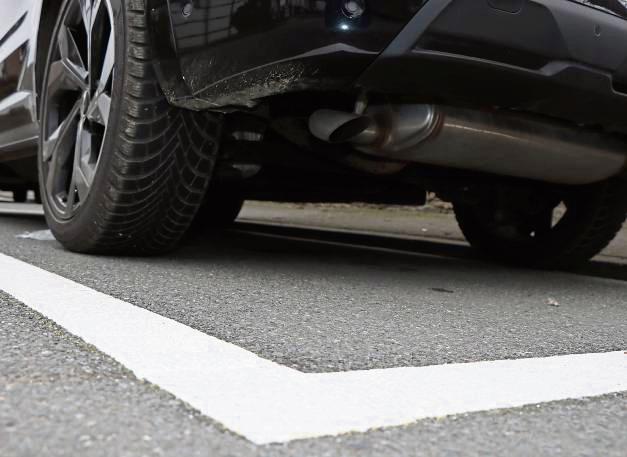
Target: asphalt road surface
[321,290]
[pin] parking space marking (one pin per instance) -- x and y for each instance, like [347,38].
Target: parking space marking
[267,402]
[21,209]
[38,235]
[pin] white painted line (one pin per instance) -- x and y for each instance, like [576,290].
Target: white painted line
[267,402]
[38,235]
[21,209]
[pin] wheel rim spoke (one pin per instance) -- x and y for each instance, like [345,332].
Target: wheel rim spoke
[95,7]
[57,152]
[68,48]
[78,190]
[84,166]
[82,183]
[52,182]
[87,8]
[82,173]
[60,140]
[55,181]
[99,108]
[65,75]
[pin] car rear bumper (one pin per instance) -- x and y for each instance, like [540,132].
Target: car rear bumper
[555,57]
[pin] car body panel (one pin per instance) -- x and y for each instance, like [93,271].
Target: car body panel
[18,115]
[223,54]
[553,58]
[566,56]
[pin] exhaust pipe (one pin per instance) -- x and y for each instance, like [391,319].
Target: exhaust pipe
[339,127]
[504,144]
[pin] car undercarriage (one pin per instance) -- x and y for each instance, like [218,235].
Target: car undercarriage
[506,108]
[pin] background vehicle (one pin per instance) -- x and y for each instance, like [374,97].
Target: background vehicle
[143,116]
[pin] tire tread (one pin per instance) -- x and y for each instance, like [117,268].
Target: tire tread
[162,161]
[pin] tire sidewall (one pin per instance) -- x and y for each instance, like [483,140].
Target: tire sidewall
[81,225]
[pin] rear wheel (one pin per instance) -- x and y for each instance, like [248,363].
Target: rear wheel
[121,171]
[543,230]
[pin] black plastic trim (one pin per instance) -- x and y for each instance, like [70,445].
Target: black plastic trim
[551,57]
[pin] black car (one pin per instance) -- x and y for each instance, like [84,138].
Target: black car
[138,119]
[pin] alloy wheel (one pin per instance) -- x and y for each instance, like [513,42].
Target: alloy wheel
[76,103]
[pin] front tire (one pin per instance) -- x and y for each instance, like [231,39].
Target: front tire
[520,232]
[121,170]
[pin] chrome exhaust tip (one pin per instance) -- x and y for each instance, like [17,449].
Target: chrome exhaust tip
[337,127]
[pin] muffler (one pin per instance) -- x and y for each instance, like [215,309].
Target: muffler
[507,144]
